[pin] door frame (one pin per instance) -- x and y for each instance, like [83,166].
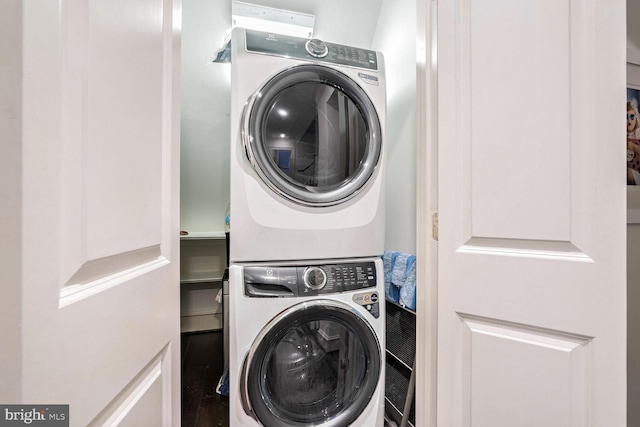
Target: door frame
[426,213]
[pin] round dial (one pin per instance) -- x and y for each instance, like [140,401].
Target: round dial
[317,48]
[315,278]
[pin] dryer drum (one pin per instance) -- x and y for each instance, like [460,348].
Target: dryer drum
[294,377]
[313,135]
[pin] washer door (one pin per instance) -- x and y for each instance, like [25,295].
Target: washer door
[313,135]
[317,363]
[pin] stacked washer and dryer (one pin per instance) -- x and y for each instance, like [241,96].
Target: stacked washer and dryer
[306,288]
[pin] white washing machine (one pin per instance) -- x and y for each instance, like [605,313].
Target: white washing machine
[307,131]
[307,344]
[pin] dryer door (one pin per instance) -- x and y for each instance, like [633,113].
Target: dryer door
[313,135]
[317,363]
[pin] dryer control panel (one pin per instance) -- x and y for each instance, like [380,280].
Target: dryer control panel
[292,281]
[296,47]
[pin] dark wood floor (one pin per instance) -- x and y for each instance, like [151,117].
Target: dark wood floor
[202,366]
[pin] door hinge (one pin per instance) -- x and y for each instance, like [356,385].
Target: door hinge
[434,226]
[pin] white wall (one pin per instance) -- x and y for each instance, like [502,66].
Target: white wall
[204,162]
[205,96]
[395,37]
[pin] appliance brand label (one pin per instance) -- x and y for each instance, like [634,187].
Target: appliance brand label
[368,78]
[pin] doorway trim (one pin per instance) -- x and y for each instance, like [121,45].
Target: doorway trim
[426,213]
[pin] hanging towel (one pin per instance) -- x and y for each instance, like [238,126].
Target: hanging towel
[391,292]
[400,278]
[400,268]
[408,290]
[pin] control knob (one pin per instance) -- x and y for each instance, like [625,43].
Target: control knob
[315,278]
[317,48]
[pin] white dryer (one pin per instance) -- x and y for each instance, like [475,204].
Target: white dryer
[306,344]
[307,131]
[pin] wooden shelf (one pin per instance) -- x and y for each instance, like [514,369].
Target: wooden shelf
[203,235]
[202,265]
[205,277]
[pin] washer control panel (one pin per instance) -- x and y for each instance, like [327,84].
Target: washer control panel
[296,47]
[292,281]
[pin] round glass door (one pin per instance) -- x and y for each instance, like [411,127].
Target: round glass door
[317,364]
[313,135]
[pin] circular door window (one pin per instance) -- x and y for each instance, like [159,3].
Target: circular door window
[317,363]
[313,135]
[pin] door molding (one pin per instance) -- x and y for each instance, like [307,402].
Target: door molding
[426,206]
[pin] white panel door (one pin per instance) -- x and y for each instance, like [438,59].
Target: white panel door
[532,306]
[99,304]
